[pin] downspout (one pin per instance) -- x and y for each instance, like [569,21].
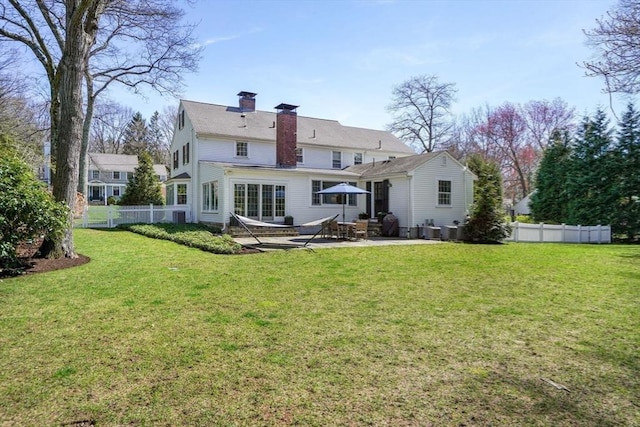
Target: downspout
[464,182]
[410,204]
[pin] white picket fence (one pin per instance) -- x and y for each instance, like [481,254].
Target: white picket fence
[112,215]
[559,233]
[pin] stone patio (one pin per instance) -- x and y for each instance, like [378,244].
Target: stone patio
[296,242]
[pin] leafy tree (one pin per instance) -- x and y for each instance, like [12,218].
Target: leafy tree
[615,39]
[27,209]
[143,188]
[549,202]
[487,222]
[627,166]
[513,136]
[591,185]
[89,44]
[422,112]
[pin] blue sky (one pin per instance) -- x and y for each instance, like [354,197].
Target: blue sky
[340,59]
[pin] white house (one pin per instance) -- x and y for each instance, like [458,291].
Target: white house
[268,165]
[110,173]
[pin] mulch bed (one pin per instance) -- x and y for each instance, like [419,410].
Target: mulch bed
[41,265]
[27,253]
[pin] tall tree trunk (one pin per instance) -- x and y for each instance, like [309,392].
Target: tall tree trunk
[86,128]
[81,27]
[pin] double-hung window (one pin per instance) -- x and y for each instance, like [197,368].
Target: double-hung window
[357,158]
[181,192]
[444,193]
[336,160]
[299,155]
[242,149]
[210,196]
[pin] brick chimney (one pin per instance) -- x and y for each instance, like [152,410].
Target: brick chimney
[286,135]
[247,101]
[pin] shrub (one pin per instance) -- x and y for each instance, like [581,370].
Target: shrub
[192,235]
[27,211]
[525,219]
[487,223]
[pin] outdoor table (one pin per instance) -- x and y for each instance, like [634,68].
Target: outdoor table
[345,227]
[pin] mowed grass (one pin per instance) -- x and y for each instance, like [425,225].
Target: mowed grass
[153,333]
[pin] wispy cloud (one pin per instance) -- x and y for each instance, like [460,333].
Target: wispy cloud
[220,39]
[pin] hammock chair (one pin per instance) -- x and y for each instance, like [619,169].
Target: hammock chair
[248,222]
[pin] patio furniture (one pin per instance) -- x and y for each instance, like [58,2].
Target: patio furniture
[334,229]
[325,224]
[346,229]
[361,229]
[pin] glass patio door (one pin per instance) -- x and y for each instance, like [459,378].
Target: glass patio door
[264,202]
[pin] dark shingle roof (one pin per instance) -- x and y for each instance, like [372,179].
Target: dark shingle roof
[389,167]
[223,121]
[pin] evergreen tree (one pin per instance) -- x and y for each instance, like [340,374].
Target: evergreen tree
[136,136]
[591,185]
[157,147]
[487,222]
[627,165]
[143,188]
[549,203]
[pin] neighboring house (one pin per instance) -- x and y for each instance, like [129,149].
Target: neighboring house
[522,207]
[267,165]
[109,174]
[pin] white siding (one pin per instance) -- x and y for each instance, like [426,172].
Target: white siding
[426,179]
[321,157]
[399,200]
[221,150]
[210,173]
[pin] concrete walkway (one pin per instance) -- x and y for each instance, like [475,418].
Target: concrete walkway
[288,242]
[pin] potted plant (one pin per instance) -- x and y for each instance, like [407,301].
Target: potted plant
[380,216]
[363,215]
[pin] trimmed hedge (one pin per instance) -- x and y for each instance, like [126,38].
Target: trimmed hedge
[192,235]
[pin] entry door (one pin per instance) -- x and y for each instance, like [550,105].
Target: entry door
[381,196]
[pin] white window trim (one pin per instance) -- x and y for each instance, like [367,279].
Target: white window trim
[438,205]
[332,159]
[361,158]
[208,184]
[235,153]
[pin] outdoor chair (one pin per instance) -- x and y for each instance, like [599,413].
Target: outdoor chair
[361,229]
[334,230]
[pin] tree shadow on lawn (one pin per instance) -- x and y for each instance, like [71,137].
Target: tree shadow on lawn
[506,397]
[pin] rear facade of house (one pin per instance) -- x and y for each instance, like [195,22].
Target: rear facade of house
[267,165]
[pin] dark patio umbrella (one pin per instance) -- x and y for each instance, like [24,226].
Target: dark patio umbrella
[344,189]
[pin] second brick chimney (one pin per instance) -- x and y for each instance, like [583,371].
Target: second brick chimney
[286,135]
[247,101]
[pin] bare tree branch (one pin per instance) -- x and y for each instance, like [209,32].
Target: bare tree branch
[421,109]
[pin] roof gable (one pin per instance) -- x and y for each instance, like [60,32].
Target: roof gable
[231,122]
[400,165]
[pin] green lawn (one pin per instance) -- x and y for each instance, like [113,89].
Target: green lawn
[153,333]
